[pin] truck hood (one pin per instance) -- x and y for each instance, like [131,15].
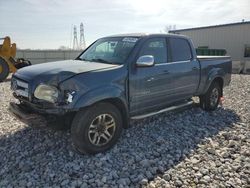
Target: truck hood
[59,70]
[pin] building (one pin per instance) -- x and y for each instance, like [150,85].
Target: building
[233,37]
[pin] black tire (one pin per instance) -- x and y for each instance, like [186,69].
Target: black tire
[82,136]
[210,100]
[4,69]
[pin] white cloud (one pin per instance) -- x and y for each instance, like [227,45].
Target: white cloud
[47,23]
[142,7]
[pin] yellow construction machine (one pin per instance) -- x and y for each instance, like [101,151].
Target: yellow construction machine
[8,63]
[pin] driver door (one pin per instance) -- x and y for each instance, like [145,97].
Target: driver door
[149,86]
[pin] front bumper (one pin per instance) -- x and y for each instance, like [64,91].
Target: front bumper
[20,112]
[45,108]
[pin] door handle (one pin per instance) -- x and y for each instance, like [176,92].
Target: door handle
[150,79]
[194,68]
[166,72]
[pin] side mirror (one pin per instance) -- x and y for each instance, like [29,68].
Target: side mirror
[145,61]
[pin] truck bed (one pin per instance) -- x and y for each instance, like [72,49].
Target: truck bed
[217,65]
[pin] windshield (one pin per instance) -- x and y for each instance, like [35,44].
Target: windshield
[113,50]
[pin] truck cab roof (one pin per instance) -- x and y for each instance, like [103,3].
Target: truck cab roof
[140,35]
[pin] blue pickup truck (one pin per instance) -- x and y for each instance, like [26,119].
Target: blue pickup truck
[116,79]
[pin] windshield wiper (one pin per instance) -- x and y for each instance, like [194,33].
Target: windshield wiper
[101,60]
[82,59]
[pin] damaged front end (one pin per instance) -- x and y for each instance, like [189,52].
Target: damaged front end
[41,105]
[23,114]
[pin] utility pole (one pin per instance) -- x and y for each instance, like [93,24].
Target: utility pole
[82,38]
[75,41]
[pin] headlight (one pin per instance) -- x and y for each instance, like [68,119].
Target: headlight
[46,92]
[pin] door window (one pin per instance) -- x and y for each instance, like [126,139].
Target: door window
[180,49]
[157,48]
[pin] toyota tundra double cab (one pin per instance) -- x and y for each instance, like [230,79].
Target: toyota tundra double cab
[116,79]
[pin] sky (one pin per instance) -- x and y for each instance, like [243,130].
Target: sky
[47,24]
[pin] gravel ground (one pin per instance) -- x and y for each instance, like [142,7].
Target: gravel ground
[192,148]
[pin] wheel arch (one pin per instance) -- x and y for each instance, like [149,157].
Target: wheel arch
[111,95]
[119,104]
[219,80]
[215,75]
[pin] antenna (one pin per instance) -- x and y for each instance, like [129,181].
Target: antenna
[82,38]
[75,41]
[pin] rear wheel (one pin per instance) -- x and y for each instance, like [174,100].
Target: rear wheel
[97,128]
[211,99]
[4,69]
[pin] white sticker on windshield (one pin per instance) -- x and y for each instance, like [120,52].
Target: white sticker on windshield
[129,39]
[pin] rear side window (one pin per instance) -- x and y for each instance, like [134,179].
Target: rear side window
[180,49]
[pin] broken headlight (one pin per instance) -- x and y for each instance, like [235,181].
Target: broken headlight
[47,93]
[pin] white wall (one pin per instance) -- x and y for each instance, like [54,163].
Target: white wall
[43,56]
[233,38]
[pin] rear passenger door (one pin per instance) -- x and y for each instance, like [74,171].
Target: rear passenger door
[183,68]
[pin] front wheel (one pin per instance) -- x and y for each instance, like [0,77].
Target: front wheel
[4,69]
[96,129]
[211,99]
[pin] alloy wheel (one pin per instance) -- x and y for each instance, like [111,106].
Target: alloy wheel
[214,97]
[101,129]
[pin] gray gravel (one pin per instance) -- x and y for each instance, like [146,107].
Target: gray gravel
[192,148]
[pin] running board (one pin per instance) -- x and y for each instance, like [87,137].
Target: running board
[189,103]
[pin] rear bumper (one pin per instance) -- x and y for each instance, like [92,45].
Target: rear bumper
[19,111]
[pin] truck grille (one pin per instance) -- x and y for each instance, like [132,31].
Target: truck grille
[19,87]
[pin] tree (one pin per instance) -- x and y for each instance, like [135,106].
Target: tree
[168,28]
